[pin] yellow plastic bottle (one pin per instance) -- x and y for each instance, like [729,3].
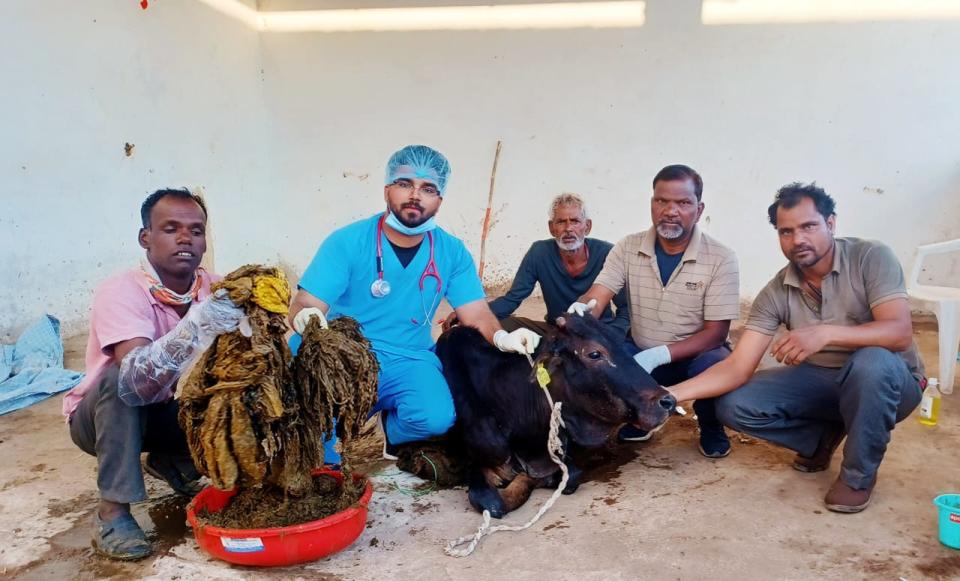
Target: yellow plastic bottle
[930,403]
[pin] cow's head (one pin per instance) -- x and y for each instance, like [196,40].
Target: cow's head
[599,383]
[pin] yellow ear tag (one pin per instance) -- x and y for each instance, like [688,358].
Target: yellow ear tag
[543,377]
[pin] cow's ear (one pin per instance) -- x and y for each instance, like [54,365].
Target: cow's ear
[550,362]
[553,364]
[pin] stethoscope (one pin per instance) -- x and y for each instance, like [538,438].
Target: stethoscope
[381,287]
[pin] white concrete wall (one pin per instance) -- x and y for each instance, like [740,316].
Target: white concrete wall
[289,132]
[867,110]
[79,80]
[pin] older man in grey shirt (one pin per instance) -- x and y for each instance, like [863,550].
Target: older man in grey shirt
[851,366]
[565,266]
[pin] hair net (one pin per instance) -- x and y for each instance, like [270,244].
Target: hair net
[419,162]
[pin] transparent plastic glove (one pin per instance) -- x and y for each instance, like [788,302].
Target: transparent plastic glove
[215,316]
[303,317]
[652,358]
[148,373]
[582,308]
[521,341]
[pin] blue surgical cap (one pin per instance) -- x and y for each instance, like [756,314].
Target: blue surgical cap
[421,163]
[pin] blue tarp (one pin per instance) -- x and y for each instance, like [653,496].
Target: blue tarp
[32,369]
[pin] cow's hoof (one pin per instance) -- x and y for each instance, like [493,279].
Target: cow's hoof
[573,480]
[488,500]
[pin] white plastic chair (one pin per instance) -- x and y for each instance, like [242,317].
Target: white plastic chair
[947,310]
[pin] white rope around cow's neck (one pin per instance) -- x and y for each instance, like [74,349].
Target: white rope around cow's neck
[555,449]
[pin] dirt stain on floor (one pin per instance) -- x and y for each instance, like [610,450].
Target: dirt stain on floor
[560,524]
[424,507]
[71,554]
[18,423]
[58,508]
[942,568]
[166,522]
[881,568]
[20,481]
[603,464]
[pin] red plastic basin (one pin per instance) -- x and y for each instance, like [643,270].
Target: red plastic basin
[278,546]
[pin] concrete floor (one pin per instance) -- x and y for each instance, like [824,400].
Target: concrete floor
[655,510]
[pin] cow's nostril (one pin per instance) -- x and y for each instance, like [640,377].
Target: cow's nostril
[668,402]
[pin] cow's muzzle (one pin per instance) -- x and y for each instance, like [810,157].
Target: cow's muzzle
[654,409]
[668,402]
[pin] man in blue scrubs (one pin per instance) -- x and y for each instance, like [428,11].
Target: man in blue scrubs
[389,272]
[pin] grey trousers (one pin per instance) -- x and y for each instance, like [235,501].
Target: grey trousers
[793,406]
[116,434]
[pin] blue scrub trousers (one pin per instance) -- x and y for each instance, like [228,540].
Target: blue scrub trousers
[413,396]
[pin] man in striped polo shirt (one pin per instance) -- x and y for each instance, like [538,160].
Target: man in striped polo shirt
[684,290]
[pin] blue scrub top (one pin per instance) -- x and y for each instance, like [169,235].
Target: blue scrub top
[344,267]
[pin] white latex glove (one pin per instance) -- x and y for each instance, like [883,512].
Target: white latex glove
[582,308]
[652,358]
[522,341]
[303,317]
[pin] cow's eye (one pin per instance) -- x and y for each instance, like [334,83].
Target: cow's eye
[595,355]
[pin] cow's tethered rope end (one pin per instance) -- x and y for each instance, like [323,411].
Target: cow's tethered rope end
[555,449]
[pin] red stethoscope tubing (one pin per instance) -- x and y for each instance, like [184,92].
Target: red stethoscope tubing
[430,271]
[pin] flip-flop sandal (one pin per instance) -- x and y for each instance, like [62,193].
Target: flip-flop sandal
[120,538]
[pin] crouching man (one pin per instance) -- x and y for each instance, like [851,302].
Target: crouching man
[851,366]
[145,325]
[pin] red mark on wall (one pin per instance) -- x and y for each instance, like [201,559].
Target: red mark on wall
[144,4]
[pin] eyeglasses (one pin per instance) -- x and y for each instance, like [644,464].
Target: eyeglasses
[426,190]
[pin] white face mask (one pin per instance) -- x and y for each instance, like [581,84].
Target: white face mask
[394,223]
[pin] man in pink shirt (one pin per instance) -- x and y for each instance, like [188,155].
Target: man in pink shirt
[146,325]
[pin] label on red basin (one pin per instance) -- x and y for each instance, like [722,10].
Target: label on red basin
[246,545]
[954,517]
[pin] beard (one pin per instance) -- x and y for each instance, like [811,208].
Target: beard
[411,222]
[569,246]
[671,231]
[811,258]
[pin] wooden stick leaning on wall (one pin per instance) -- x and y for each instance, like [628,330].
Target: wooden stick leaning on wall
[486,217]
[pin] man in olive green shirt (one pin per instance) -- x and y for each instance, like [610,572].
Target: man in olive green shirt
[851,366]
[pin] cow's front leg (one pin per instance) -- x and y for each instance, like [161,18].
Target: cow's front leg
[574,476]
[483,496]
[573,480]
[518,491]
[500,476]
